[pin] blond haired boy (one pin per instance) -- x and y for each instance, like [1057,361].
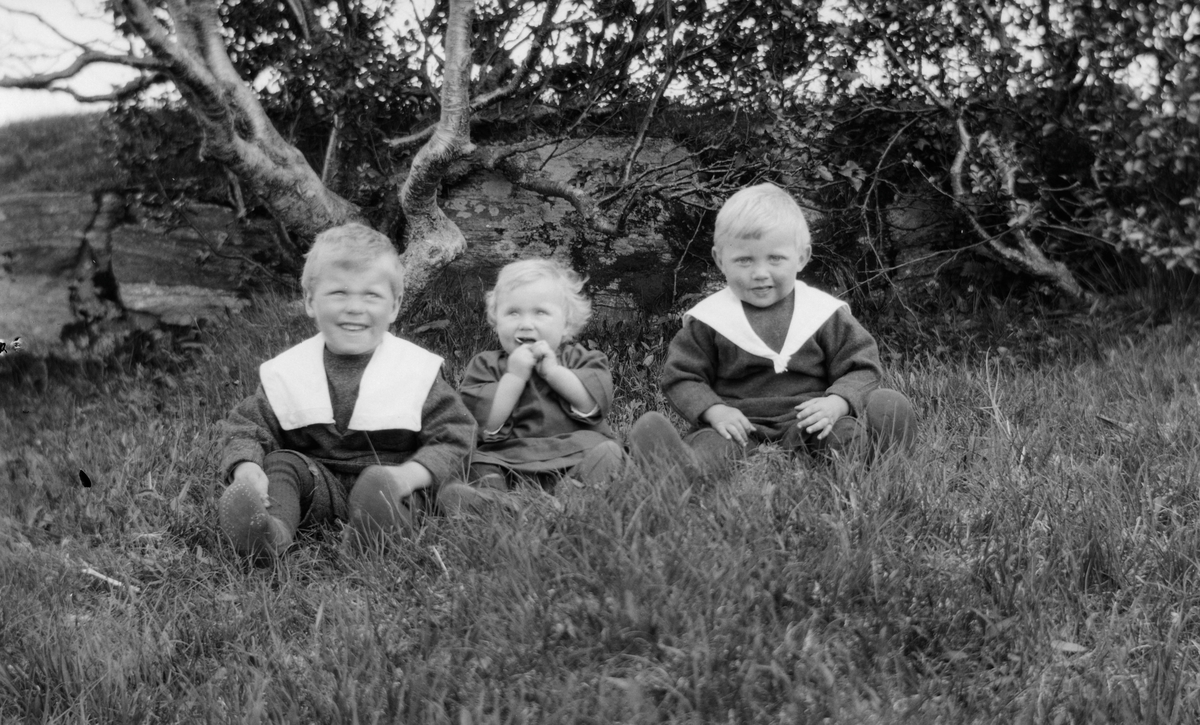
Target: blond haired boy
[769,358]
[353,424]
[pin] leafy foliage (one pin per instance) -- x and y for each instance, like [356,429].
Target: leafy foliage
[1091,115]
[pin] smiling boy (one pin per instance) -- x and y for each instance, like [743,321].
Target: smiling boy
[353,424]
[769,358]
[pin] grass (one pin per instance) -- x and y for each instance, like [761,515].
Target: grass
[57,154]
[1033,561]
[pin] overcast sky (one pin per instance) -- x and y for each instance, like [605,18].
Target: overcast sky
[27,46]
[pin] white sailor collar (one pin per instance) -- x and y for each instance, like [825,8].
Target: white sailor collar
[392,392]
[723,312]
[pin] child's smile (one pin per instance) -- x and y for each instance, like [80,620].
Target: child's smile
[352,308]
[761,271]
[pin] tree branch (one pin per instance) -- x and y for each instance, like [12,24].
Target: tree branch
[513,168]
[1027,256]
[45,81]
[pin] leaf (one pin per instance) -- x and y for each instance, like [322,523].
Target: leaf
[1068,647]
[824,173]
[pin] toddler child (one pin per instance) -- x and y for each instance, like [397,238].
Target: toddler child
[353,424]
[542,399]
[769,358]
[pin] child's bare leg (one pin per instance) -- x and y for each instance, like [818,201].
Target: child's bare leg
[263,531]
[376,510]
[601,465]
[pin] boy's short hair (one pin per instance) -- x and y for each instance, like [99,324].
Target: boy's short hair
[753,210]
[352,246]
[516,274]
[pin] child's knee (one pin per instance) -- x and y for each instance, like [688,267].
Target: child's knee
[657,446]
[608,454]
[375,509]
[717,454]
[890,416]
[602,464]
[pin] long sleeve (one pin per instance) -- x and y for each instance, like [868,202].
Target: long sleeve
[248,433]
[591,367]
[690,371]
[852,359]
[447,433]
[478,390]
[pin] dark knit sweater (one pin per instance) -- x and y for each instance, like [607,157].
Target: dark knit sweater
[251,430]
[703,368]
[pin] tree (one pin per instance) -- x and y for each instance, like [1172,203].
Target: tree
[1017,117]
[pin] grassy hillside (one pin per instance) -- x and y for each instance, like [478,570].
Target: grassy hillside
[1033,561]
[60,153]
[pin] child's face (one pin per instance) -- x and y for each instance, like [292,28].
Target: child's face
[353,307]
[761,271]
[529,313]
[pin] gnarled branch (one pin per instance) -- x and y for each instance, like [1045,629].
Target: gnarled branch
[1026,255]
[538,42]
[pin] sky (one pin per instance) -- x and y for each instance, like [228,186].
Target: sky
[28,46]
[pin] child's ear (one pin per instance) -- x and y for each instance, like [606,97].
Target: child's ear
[396,308]
[805,257]
[308,305]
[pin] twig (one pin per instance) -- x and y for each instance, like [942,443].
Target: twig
[441,563]
[85,568]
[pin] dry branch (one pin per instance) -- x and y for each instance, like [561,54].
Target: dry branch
[1026,255]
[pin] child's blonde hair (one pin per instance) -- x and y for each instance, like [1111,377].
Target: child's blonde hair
[754,210]
[518,274]
[352,246]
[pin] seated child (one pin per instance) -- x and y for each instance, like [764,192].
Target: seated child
[353,424]
[541,400]
[769,358]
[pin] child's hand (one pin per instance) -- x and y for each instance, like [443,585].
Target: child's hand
[521,361]
[409,477]
[729,422]
[819,414]
[251,475]
[546,359]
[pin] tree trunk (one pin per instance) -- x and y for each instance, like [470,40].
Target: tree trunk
[237,131]
[432,240]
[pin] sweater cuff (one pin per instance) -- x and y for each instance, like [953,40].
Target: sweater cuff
[853,396]
[438,467]
[237,453]
[693,405]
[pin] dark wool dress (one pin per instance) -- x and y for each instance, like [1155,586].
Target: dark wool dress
[543,433]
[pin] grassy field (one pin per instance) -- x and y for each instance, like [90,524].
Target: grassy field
[60,153]
[1034,561]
